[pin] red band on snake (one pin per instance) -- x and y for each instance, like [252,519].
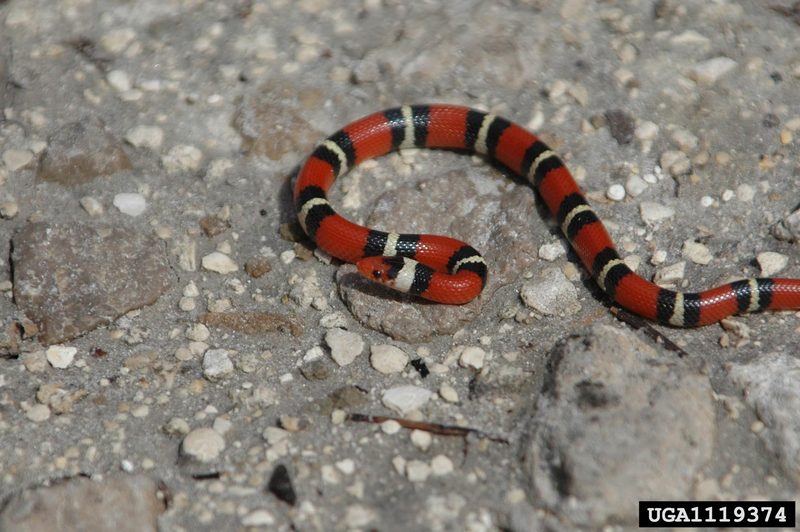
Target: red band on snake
[446,270]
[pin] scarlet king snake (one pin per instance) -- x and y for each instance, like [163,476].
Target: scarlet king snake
[446,270]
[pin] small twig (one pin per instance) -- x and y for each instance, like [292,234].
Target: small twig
[433,428]
[640,324]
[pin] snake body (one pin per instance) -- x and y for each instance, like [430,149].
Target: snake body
[446,270]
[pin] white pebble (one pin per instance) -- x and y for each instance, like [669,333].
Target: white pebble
[387,358]
[616,192]
[60,356]
[706,201]
[219,262]
[92,206]
[198,332]
[646,130]
[182,157]
[390,426]
[441,465]
[287,256]
[551,252]
[130,203]
[708,72]
[697,252]
[203,444]
[275,435]
[727,195]
[652,212]
[671,274]
[771,263]
[404,399]
[346,466]
[551,294]
[472,357]
[145,137]
[38,413]
[345,345]
[635,185]
[417,471]
[675,162]
[120,80]
[258,518]
[216,364]
[421,439]
[116,40]
[448,393]
[17,159]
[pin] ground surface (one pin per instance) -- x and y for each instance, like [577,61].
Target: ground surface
[182,378]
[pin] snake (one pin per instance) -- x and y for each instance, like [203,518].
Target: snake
[448,271]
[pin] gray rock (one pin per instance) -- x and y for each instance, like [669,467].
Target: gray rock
[789,228]
[617,419]
[80,151]
[495,221]
[121,503]
[771,387]
[72,279]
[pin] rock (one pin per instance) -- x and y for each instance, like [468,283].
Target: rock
[182,158]
[404,399]
[621,125]
[652,212]
[388,359]
[770,387]
[551,294]
[710,71]
[616,419]
[203,444]
[81,151]
[789,228]
[771,263]
[67,295]
[472,357]
[130,203]
[123,503]
[345,345]
[675,162]
[60,356]
[145,137]
[16,160]
[217,364]
[441,465]
[492,216]
[696,252]
[219,262]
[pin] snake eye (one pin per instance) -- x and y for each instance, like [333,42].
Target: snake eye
[376,274]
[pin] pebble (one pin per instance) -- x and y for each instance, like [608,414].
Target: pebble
[387,358]
[652,212]
[345,345]
[670,274]
[696,252]
[552,252]
[145,137]
[404,399]
[17,159]
[120,80]
[130,203]
[685,139]
[472,357]
[60,356]
[92,206]
[616,192]
[197,332]
[182,158]
[706,201]
[35,361]
[275,435]
[675,162]
[116,40]
[417,470]
[390,426]
[448,393]
[646,131]
[771,263]
[346,466]
[8,209]
[421,439]
[358,516]
[38,413]
[219,262]
[441,465]
[258,518]
[551,294]
[635,185]
[217,364]
[203,444]
[710,71]
[176,427]
[745,193]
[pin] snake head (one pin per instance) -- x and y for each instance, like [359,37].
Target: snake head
[383,270]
